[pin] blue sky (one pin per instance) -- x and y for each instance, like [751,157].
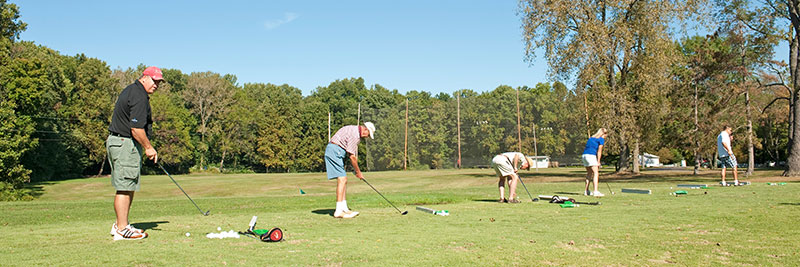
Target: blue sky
[434,46]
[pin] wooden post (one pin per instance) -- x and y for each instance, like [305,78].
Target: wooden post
[535,149]
[458,126]
[405,147]
[329,126]
[519,134]
[358,120]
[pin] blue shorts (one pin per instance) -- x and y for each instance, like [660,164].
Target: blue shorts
[334,161]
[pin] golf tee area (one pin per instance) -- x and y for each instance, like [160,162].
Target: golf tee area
[69,221]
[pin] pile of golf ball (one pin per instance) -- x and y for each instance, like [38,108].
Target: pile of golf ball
[221,235]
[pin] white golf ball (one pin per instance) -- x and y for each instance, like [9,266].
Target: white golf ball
[188,234]
[219,228]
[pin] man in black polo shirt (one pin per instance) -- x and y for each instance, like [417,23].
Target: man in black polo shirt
[131,126]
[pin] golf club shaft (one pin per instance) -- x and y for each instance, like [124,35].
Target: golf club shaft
[184,192]
[609,188]
[379,193]
[526,188]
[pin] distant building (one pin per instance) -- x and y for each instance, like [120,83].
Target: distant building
[540,161]
[649,160]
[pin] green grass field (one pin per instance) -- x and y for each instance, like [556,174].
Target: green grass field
[748,225]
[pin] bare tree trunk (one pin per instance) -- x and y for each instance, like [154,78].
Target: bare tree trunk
[586,112]
[102,165]
[793,71]
[622,164]
[694,135]
[636,162]
[793,163]
[750,153]
[715,160]
[222,161]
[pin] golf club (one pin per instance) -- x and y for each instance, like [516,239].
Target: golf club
[609,188]
[526,188]
[557,199]
[184,192]
[387,200]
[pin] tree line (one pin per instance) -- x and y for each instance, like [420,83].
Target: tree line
[656,93]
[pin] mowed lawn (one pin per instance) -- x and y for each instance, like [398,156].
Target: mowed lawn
[69,222]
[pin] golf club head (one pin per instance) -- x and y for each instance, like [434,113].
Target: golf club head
[404,213]
[206,213]
[535,199]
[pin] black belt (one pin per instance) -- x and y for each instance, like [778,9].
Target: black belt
[117,135]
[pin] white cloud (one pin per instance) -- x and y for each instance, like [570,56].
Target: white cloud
[287,17]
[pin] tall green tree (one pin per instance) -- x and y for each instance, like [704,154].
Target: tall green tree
[342,97]
[10,25]
[208,95]
[172,127]
[278,135]
[313,133]
[90,105]
[386,108]
[774,20]
[604,42]
[15,141]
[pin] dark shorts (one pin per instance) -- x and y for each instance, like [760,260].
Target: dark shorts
[728,161]
[125,160]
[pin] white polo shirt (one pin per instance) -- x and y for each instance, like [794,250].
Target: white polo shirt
[723,138]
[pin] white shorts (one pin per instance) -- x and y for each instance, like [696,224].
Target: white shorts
[589,160]
[501,166]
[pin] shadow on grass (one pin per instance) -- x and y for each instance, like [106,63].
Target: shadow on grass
[328,212]
[485,200]
[479,175]
[675,176]
[790,204]
[149,225]
[568,193]
[37,189]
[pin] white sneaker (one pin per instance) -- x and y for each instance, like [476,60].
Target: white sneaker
[598,194]
[128,234]
[345,214]
[114,229]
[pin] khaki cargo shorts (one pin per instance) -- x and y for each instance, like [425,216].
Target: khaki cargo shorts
[125,159]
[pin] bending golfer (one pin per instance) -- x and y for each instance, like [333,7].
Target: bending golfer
[131,126]
[725,152]
[344,142]
[505,165]
[591,160]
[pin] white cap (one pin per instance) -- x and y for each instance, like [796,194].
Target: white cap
[371,128]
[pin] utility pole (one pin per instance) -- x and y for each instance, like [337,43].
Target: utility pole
[519,135]
[458,126]
[405,147]
[535,149]
[329,126]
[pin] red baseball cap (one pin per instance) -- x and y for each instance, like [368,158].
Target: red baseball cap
[154,72]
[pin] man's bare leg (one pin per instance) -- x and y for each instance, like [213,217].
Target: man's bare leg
[122,206]
[341,188]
